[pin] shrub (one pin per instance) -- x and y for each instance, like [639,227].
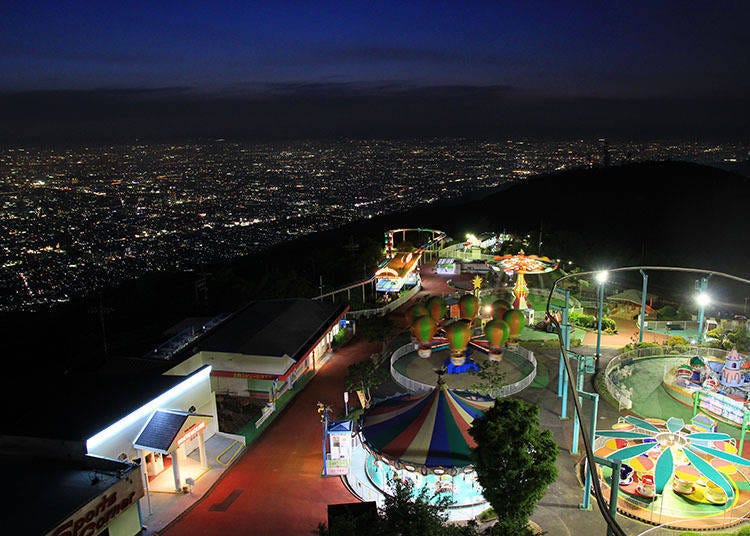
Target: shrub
[487,515]
[676,340]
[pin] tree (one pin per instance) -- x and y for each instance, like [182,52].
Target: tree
[491,378]
[375,329]
[404,513]
[364,376]
[514,461]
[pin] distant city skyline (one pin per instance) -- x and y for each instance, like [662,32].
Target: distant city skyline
[293,69]
[80,219]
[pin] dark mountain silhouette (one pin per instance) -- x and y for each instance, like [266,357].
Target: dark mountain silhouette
[673,213]
[651,213]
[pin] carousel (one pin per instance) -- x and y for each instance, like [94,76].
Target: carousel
[425,439]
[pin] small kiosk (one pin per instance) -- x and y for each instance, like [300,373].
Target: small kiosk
[166,440]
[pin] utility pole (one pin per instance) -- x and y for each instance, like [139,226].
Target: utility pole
[540,238]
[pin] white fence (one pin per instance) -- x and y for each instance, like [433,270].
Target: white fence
[419,387]
[382,311]
[661,325]
[619,362]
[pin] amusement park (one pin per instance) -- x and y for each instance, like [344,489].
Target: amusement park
[679,384]
[639,380]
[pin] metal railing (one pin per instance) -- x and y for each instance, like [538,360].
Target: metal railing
[621,393]
[387,308]
[415,386]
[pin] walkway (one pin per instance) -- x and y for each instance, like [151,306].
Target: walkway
[275,488]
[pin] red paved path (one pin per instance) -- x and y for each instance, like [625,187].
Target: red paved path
[282,492]
[279,475]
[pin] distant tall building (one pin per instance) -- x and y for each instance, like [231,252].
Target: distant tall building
[604,155]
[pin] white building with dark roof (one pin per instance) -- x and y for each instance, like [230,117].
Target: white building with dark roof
[262,349]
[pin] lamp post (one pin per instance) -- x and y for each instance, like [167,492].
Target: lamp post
[323,412]
[642,323]
[703,299]
[601,278]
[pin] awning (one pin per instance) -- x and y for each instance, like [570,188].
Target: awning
[166,430]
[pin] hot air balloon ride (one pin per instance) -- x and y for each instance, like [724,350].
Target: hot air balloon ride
[424,328]
[500,307]
[458,335]
[496,331]
[415,312]
[437,308]
[516,320]
[468,305]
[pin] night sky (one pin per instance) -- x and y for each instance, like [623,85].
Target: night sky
[327,68]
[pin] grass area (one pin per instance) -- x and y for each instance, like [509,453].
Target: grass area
[542,377]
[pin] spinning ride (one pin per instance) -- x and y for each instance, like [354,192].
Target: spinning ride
[688,478]
[522,264]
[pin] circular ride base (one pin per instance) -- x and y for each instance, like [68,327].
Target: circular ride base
[655,401]
[462,488]
[678,510]
[421,370]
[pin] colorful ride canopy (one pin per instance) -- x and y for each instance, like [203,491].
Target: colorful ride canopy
[525,264]
[430,430]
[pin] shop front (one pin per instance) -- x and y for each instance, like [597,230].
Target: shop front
[173,449]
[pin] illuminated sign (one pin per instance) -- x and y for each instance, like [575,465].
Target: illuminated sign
[96,516]
[191,432]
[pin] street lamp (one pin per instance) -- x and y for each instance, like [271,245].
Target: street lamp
[703,299]
[601,278]
[323,411]
[642,320]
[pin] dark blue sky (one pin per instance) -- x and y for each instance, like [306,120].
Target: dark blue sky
[374,68]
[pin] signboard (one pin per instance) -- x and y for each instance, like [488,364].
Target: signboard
[361,397]
[97,515]
[339,466]
[723,406]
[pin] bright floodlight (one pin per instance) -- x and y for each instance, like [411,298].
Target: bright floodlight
[601,277]
[488,309]
[703,299]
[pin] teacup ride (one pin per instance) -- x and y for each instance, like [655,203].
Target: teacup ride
[699,467]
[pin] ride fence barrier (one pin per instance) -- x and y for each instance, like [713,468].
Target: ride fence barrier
[415,386]
[387,308]
[677,325]
[617,369]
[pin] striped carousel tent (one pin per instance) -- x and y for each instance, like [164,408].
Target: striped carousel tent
[427,430]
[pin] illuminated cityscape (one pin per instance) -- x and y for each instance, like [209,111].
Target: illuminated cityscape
[76,219]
